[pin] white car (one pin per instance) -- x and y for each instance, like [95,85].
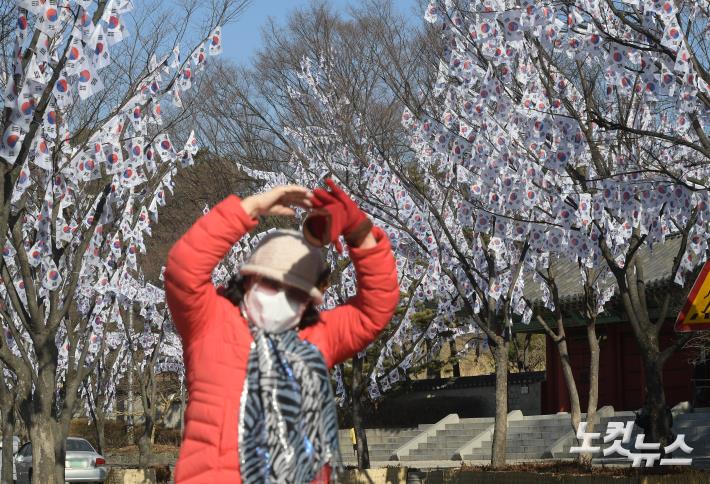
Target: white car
[82,463]
[15,447]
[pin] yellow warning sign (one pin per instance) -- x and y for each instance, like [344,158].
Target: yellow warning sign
[695,315]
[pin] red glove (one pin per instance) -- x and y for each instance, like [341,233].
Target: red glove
[335,213]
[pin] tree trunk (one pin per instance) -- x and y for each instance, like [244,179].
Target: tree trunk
[575,407]
[455,367]
[145,448]
[98,418]
[363,455]
[500,432]
[60,453]
[47,451]
[99,425]
[130,430]
[586,459]
[8,431]
[656,417]
[48,440]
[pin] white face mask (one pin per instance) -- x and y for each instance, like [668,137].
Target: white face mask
[272,310]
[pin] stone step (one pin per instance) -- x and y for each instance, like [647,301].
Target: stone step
[380,455]
[460,431]
[466,426]
[388,432]
[459,428]
[390,438]
[488,420]
[528,442]
[382,450]
[533,430]
[529,435]
[452,442]
[402,438]
[441,450]
[381,447]
[449,438]
[386,452]
[385,441]
[435,447]
[540,428]
[533,449]
[456,433]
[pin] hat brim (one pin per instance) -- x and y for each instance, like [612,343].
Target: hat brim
[284,278]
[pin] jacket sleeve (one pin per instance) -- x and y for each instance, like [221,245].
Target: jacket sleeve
[188,274]
[349,328]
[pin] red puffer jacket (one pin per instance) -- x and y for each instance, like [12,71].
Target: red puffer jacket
[216,338]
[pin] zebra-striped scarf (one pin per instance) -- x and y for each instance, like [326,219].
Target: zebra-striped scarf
[288,428]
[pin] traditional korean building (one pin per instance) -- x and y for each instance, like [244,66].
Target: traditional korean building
[621,373]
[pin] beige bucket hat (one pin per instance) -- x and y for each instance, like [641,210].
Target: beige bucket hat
[286,257]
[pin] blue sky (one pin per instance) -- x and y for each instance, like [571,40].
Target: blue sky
[242,38]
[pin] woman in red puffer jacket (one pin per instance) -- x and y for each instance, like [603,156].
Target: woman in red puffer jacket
[260,405]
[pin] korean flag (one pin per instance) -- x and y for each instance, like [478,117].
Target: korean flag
[215,41]
[52,278]
[11,143]
[116,30]
[98,45]
[48,19]
[89,83]
[165,148]
[43,154]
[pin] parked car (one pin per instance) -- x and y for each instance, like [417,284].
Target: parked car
[15,448]
[82,463]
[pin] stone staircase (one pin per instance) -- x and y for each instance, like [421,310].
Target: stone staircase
[381,443]
[444,444]
[529,437]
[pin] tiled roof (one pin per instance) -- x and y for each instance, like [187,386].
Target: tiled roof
[656,264]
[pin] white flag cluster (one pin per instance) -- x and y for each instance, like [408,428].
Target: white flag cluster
[67,55]
[519,167]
